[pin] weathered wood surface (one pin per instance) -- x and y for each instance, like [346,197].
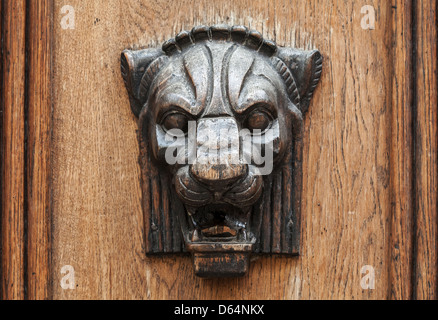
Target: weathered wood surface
[39,135]
[401,159]
[425,284]
[26,135]
[346,209]
[13,150]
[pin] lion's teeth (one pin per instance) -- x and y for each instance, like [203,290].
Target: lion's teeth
[243,235]
[195,236]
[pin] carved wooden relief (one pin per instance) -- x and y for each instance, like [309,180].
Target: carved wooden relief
[220,114]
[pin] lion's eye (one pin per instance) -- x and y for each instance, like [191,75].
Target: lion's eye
[258,121]
[176,121]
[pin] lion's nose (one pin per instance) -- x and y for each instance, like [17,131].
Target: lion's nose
[217,161]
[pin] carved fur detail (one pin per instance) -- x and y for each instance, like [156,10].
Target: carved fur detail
[149,76]
[306,68]
[238,34]
[139,68]
[316,73]
[291,85]
[134,65]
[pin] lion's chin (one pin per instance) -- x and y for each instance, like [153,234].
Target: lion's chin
[219,240]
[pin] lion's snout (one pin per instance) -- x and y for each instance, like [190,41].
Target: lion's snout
[219,176]
[240,190]
[218,164]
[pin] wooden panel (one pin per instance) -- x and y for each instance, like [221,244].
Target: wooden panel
[1,139]
[26,116]
[346,208]
[401,178]
[426,152]
[38,153]
[13,150]
[1,136]
[346,186]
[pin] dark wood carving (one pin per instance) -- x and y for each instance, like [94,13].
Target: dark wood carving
[219,82]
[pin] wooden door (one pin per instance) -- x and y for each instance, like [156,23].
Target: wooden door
[71,194]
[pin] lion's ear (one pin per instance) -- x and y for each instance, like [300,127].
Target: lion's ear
[138,70]
[306,68]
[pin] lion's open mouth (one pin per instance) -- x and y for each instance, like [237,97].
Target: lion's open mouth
[219,223]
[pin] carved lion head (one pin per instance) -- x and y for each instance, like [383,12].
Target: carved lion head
[220,114]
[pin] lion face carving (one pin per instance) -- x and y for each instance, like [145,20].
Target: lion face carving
[220,119]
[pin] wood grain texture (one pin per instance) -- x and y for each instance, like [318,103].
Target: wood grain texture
[346,208]
[401,173]
[1,138]
[13,150]
[38,152]
[426,151]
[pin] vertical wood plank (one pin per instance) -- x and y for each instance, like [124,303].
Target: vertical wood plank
[426,152]
[13,168]
[38,154]
[401,177]
[1,136]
